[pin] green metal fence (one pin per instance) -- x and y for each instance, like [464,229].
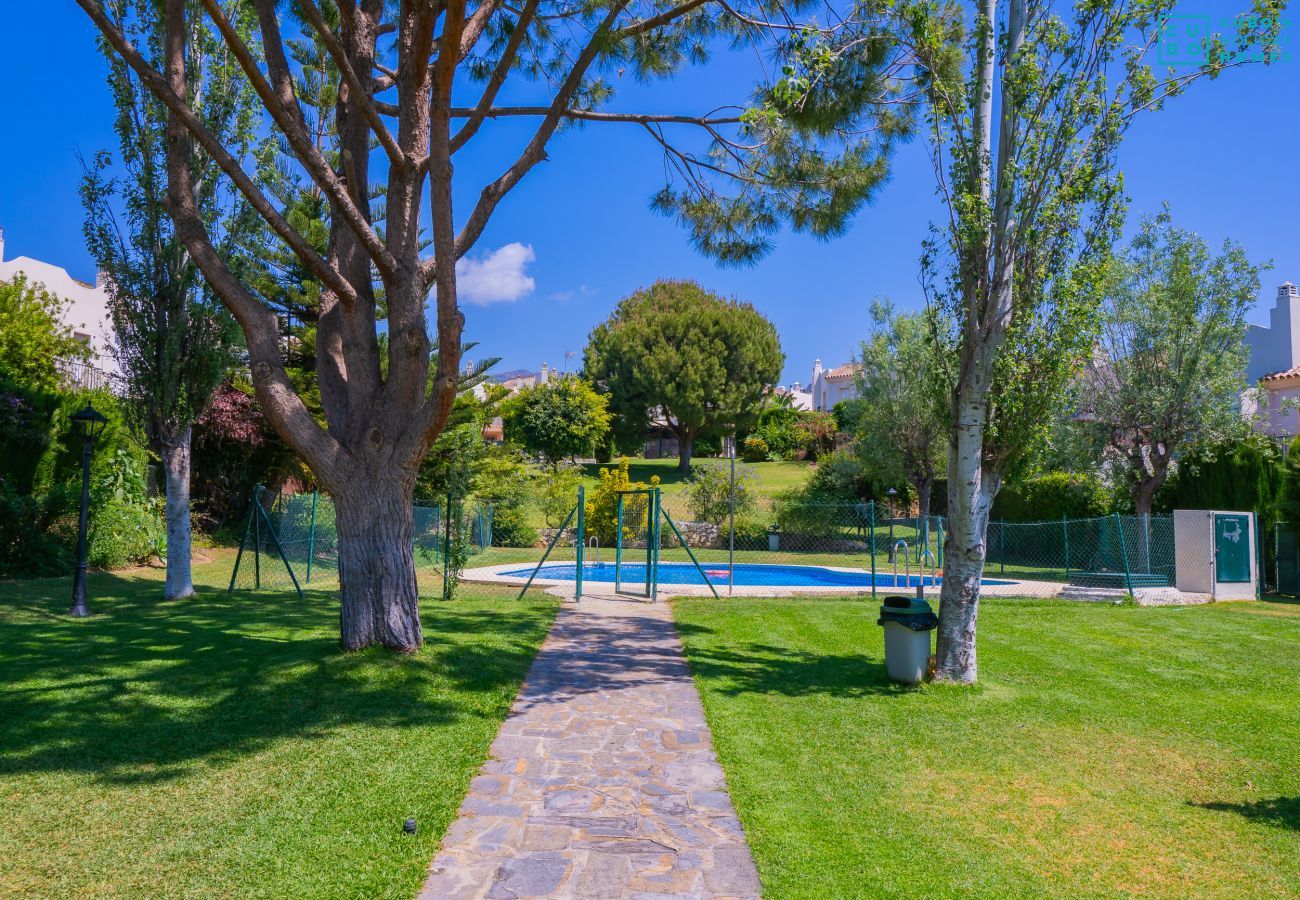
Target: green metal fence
[290,541]
[1286,559]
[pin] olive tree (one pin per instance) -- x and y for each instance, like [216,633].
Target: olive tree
[1170,367]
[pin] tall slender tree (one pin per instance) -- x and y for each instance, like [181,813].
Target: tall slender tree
[172,339]
[902,431]
[419,83]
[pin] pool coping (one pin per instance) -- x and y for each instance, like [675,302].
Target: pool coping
[565,587]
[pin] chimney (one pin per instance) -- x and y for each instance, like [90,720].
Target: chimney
[2,245]
[545,376]
[1285,291]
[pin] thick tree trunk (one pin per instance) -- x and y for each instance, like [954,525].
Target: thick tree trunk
[1144,492]
[970,498]
[378,599]
[176,461]
[685,447]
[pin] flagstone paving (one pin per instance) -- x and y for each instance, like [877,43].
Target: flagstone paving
[602,781]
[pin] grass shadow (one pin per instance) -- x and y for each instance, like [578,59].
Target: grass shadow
[1283,812]
[757,668]
[145,690]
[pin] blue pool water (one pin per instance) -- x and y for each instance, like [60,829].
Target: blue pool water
[754,574]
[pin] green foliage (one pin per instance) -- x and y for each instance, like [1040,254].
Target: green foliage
[848,414]
[36,533]
[26,430]
[708,496]
[902,426]
[511,528]
[755,449]
[33,338]
[558,493]
[1247,474]
[1053,496]
[1172,360]
[602,505]
[558,420]
[705,361]
[840,476]
[1289,503]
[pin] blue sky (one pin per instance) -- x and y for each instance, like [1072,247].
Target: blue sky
[1226,156]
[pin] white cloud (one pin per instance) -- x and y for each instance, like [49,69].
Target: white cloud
[498,277]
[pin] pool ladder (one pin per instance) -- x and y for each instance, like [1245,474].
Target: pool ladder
[925,555]
[594,544]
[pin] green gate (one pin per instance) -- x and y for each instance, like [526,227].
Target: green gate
[1231,548]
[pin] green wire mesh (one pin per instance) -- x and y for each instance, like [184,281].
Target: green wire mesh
[291,540]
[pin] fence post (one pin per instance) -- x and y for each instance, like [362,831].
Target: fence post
[582,540]
[1065,533]
[1259,556]
[618,549]
[1002,545]
[649,538]
[872,538]
[1123,547]
[257,538]
[311,539]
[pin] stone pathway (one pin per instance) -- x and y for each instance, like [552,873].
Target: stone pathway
[603,781]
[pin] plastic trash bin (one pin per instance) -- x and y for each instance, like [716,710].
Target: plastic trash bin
[908,622]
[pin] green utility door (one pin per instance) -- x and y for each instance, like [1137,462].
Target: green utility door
[1231,548]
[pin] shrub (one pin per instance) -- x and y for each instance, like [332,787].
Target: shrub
[839,475]
[708,497]
[559,493]
[1056,495]
[26,417]
[602,505]
[817,433]
[510,527]
[125,531]
[755,449]
[35,539]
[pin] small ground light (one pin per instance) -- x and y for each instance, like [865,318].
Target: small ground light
[409,826]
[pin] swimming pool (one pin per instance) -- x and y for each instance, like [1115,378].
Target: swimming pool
[752,574]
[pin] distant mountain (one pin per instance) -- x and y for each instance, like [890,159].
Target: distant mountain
[513,373]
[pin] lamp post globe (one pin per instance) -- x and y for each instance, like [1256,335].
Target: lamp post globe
[90,423]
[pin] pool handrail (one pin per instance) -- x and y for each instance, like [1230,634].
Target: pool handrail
[907,561]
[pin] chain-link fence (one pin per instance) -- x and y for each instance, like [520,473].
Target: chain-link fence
[290,541]
[1286,559]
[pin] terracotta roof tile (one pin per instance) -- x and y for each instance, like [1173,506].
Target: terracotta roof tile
[1292,372]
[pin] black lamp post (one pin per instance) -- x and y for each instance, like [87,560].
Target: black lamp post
[892,492]
[90,422]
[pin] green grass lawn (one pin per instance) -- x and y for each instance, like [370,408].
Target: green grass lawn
[225,746]
[768,479]
[1107,750]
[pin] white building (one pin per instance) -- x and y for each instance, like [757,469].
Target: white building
[86,312]
[1275,364]
[830,386]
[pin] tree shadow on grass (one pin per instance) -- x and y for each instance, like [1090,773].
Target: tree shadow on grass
[1280,811]
[754,668]
[145,689]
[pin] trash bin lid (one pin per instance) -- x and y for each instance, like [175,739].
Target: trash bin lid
[905,605]
[909,612]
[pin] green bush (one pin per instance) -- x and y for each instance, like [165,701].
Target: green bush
[1056,495]
[125,531]
[36,534]
[559,493]
[839,475]
[755,449]
[602,505]
[26,429]
[708,496]
[510,527]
